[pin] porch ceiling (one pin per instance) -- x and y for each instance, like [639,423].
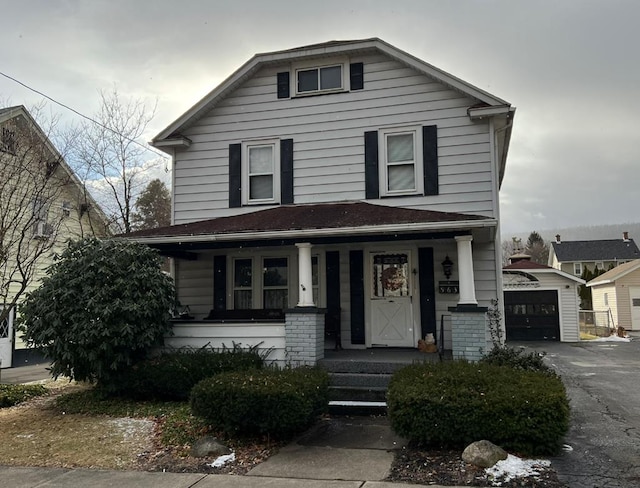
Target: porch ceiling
[331,222]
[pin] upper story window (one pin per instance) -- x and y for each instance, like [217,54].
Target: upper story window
[261,172]
[8,140]
[577,269]
[599,265]
[319,79]
[401,168]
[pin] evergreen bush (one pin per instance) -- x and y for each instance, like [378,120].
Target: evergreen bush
[455,403]
[172,374]
[102,307]
[274,402]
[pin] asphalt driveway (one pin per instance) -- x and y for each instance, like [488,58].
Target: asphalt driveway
[603,384]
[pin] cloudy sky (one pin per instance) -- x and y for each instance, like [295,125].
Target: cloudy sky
[571,67]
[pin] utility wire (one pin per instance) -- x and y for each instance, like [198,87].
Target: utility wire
[146,148]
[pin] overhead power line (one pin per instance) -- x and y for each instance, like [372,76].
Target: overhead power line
[143,146]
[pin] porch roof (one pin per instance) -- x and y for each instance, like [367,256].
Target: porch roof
[312,221]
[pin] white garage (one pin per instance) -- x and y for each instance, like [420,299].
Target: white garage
[540,303]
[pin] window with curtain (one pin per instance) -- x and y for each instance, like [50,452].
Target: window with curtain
[275,283]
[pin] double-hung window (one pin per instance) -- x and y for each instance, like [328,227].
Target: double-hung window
[261,172]
[243,284]
[401,151]
[577,269]
[275,283]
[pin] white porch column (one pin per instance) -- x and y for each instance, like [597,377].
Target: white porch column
[305,278]
[465,271]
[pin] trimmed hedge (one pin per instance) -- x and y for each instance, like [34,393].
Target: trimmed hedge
[455,403]
[11,395]
[171,375]
[275,402]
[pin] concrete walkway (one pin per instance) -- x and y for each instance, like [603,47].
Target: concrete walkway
[24,374]
[64,478]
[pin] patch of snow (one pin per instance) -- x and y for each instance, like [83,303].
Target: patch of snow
[514,467]
[222,460]
[612,338]
[131,428]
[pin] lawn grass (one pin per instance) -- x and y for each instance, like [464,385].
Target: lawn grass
[178,426]
[11,395]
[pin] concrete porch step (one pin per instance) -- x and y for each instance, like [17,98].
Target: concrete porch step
[357,393]
[360,379]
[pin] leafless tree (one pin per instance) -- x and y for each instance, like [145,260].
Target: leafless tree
[110,155]
[34,201]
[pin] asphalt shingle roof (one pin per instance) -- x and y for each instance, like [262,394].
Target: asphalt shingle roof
[602,250]
[303,217]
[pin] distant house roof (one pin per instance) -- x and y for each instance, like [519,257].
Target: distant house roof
[527,266]
[615,273]
[295,221]
[603,250]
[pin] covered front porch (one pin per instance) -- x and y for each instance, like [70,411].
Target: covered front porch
[367,277]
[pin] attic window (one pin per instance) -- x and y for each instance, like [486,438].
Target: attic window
[8,141]
[319,79]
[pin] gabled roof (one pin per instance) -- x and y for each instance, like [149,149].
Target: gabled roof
[319,220]
[615,273]
[534,268]
[332,48]
[602,250]
[9,113]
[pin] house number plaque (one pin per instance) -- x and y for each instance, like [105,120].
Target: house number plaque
[451,287]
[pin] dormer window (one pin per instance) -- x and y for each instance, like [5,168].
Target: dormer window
[320,79]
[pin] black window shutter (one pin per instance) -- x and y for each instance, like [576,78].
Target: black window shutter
[219,282]
[371,184]
[283,84]
[332,323]
[286,171]
[356,72]
[427,292]
[356,279]
[235,175]
[430,159]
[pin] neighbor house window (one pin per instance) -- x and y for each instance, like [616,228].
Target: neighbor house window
[261,170]
[319,79]
[275,283]
[577,269]
[400,172]
[8,140]
[606,299]
[242,284]
[600,265]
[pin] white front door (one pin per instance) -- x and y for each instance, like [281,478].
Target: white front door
[634,295]
[6,340]
[391,307]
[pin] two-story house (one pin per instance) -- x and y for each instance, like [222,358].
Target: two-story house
[345,187]
[574,257]
[42,205]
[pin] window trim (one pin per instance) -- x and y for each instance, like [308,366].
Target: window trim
[418,163]
[246,189]
[577,267]
[318,65]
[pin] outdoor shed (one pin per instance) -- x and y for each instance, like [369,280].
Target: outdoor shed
[540,303]
[618,292]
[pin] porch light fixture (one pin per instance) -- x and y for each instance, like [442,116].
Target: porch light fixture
[447,266]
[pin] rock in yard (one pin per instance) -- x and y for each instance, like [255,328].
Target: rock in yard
[483,453]
[208,446]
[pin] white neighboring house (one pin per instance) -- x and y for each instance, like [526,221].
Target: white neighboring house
[42,205]
[541,303]
[343,189]
[618,292]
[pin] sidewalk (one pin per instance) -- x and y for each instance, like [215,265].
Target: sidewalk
[64,478]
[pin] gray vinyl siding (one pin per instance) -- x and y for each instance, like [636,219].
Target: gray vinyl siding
[328,133]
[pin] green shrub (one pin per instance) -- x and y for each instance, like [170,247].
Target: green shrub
[516,358]
[455,403]
[171,375]
[262,402]
[102,307]
[11,395]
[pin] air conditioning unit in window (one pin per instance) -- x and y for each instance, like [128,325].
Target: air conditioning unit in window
[42,230]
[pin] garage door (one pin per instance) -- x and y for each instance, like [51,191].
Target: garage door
[532,315]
